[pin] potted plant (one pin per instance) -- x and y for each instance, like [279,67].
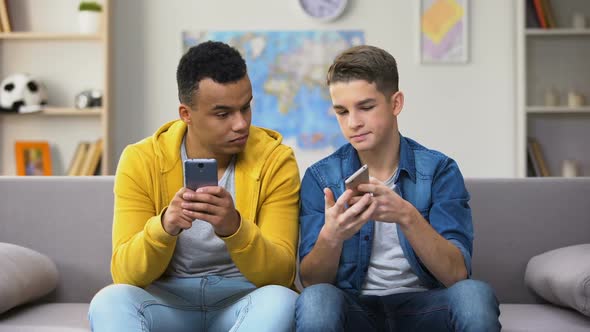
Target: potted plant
[89,17]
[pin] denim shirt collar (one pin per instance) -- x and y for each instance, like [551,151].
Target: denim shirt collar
[407,163]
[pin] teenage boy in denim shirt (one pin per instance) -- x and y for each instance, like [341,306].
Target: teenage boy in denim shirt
[399,256]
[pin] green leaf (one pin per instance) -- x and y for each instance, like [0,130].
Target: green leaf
[92,6]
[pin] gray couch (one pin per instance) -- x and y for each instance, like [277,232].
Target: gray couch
[69,219]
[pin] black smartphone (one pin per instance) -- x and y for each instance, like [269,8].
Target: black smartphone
[200,173]
[358,177]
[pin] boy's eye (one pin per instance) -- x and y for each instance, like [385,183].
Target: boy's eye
[366,108]
[222,115]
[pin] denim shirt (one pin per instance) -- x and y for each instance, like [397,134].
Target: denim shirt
[429,180]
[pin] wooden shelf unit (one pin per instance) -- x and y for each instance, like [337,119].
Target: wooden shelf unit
[61,111]
[49,36]
[71,57]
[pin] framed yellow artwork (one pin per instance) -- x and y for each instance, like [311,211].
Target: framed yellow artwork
[443,30]
[32,158]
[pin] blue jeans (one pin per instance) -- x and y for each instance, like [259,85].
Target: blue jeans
[468,305]
[193,304]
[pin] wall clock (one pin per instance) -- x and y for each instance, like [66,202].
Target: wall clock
[323,10]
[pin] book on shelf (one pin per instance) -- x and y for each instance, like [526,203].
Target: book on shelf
[4,18]
[87,158]
[532,21]
[549,16]
[543,11]
[78,158]
[540,14]
[92,160]
[534,152]
[532,164]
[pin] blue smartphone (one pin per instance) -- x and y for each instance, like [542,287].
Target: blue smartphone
[200,173]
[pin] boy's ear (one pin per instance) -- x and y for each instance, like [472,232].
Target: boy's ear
[397,102]
[184,112]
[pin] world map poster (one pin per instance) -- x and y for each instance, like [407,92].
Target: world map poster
[288,74]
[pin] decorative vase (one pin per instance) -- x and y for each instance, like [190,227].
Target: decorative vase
[89,22]
[569,168]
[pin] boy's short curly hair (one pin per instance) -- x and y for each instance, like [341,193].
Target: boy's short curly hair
[212,59]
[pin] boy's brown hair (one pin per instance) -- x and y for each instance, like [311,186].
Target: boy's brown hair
[368,63]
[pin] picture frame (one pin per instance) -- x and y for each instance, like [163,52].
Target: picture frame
[443,27]
[32,158]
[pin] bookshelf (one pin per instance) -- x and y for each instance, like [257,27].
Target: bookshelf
[45,43]
[553,59]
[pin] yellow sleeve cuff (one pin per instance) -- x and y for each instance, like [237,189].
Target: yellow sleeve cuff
[242,238]
[156,232]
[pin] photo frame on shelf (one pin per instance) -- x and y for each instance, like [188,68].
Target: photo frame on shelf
[32,158]
[443,36]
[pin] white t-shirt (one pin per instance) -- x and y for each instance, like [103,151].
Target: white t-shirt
[389,271]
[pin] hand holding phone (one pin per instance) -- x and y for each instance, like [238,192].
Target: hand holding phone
[359,177]
[219,212]
[197,173]
[200,173]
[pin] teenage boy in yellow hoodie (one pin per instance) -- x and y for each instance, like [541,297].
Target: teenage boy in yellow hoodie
[220,258]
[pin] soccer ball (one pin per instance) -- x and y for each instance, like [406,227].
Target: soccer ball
[21,93]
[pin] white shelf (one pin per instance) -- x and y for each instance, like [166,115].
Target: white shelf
[48,36]
[557,32]
[554,58]
[557,110]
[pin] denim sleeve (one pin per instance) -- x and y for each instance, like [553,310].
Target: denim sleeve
[450,214]
[311,213]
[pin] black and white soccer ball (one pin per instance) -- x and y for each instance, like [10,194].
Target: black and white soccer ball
[22,93]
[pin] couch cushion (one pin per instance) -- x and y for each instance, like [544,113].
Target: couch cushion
[516,219]
[51,317]
[25,275]
[541,318]
[562,277]
[69,219]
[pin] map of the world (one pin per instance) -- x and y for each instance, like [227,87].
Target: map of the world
[288,73]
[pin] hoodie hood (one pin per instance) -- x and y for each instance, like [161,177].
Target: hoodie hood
[261,142]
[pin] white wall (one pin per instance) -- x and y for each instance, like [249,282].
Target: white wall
[466,111]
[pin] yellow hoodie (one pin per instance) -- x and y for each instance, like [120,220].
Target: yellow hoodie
[267,196]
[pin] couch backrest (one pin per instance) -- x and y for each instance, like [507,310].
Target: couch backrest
[67,218]
[516,219]
[70,219]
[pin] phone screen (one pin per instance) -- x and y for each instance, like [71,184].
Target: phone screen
[200,173]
